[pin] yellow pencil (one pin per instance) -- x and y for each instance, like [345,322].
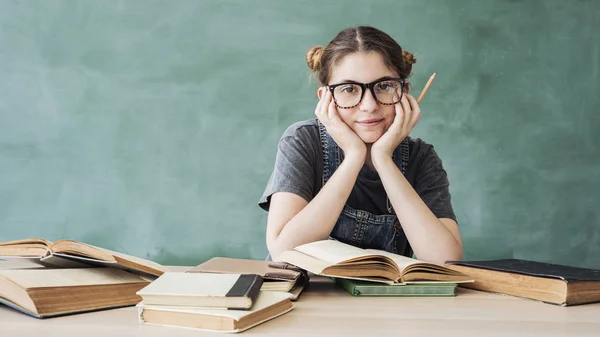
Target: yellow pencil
[426,88]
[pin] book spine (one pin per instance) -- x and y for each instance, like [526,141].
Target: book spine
[247,285]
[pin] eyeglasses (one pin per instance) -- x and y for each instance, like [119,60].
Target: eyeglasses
[347,95]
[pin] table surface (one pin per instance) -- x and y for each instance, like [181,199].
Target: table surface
[326,310]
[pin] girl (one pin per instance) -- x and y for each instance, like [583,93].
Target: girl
[353,174]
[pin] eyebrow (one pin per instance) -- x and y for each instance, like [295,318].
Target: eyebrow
[379,79]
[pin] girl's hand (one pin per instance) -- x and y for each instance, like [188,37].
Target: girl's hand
[346,139]
[408,114]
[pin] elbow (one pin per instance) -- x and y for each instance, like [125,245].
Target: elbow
[440,257]
[455,254]
[276,247]
[274,251]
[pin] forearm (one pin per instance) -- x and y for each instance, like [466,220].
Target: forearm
[316,221]
[428,236]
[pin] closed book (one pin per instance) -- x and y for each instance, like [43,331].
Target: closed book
[277,276]
[365,288]
[546,282]
[269,304]
[45,292]
[226,291]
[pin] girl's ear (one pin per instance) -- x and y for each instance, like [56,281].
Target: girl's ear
[321,92]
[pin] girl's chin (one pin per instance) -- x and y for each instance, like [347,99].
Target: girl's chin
[370,137]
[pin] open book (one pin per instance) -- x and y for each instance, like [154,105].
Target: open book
[73,254]
[336,259]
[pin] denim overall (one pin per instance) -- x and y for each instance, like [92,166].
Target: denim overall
[360,228]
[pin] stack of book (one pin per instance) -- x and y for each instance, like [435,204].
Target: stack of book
[211,301]
[370,272]
[46,279]
[277,276]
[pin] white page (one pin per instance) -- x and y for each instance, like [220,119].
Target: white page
[332,251]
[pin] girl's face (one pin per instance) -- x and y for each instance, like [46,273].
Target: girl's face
[369,119]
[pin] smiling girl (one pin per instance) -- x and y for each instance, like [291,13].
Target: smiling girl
[353,174]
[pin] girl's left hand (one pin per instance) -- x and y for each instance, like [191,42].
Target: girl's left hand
[408,114]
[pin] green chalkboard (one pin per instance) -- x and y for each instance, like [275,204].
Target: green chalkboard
[150,127]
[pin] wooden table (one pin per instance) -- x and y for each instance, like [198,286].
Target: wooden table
[325,310]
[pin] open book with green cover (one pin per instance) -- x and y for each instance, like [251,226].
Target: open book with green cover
[74,254]
[336,259]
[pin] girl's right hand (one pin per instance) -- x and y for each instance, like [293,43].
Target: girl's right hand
[346,139]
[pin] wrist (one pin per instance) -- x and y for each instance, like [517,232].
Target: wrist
[356,157]
[380,159]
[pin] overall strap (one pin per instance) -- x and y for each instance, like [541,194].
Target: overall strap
[331,153]
[400,158]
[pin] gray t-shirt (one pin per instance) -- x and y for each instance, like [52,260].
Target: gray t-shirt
[299,169]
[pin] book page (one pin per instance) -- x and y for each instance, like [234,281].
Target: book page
[307,262]
[401,261]
[27,247]
[82,249]
[127,261]
[27,241]
[332,251]
[151,266]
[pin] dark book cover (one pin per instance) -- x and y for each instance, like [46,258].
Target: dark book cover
[533,268]
[247,285]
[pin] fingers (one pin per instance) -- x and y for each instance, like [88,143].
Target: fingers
[416,111]
[332,112]
[318,108]
[322,107]
[399,118]
[407,112]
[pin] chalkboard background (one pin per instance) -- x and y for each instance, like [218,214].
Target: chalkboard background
[150,127]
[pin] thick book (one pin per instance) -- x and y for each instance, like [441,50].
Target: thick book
[366,288]
[46,292]
[545,282]
[226,291]
[277,276]
[269,304]
[74,254]
[336,259]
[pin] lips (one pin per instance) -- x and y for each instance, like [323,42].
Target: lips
[370,122]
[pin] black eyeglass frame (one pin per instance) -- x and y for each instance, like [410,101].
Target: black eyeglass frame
[369,86]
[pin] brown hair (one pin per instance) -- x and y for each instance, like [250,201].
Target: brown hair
[359,39]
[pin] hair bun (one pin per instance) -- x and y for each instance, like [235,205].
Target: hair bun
[313,57]
[409,60]
[409,57]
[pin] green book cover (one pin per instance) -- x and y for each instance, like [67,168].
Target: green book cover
[364,288]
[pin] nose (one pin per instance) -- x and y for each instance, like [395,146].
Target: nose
[368,103]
